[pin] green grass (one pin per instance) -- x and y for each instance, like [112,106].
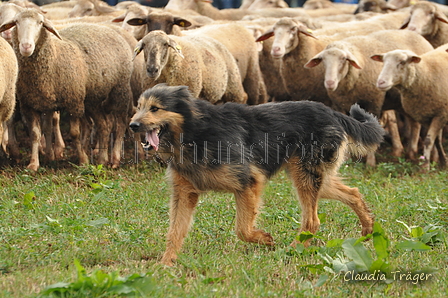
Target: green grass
[116,221]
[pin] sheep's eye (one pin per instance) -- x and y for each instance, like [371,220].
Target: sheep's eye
[154,109]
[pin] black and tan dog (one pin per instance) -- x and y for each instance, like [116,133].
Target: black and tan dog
[237,148]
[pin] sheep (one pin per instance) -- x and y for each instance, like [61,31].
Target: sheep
[8,74]
[320,4]
[317,4]
[258,4]
[205,8]
[241,44]
[378,22]
[7,13]
[421,81]
[426,19]
[402,3]
[58,10]
[294,44]
[349,73]
[201,63]
[164,21]
[71,72]
[93,8]
[374,5]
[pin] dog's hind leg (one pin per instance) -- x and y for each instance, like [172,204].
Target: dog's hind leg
[247,204]
[307,184]
[334,189]
[183,202]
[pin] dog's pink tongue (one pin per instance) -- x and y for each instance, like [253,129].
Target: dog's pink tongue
[153,139]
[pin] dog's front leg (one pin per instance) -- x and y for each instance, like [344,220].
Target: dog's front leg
[183,202]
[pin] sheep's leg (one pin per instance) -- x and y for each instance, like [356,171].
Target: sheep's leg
[442,154]
[32,118]
[120,129]
[371,159]
[412,147]
[433,131]
[391,123]
[12,145]
[47,127]
[75,133]
[59,144]
[103,134]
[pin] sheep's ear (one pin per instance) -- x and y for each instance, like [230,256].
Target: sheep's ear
[138,48]
[406,22]
[378,58]
[353,61]
[137,22]
[119,19]
[49,26]
[315,61]
[266,35]
[177,48]
[415,59]
[181,22]
[7,26]
[305,30]
[441,17]
[357,10]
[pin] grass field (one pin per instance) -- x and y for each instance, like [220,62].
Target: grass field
[114,224]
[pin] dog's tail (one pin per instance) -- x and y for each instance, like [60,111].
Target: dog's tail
[364,131]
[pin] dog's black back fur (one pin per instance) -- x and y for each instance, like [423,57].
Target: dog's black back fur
[266,136]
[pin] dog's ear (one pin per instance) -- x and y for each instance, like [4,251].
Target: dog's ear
[184,93]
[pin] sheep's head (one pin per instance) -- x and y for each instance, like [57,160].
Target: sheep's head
[337,61]
[397,68]
[423,18]
[380,6]
[7,13]
[286,32]
[164,21]
[28,25]
[155,46]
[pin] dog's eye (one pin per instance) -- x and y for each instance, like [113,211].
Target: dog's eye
[154,109]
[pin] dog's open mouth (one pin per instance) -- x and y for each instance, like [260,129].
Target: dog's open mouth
[152,139]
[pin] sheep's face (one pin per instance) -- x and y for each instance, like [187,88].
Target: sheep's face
[28,33]
[29,27]
[285,40]
[336,63]
[156,46]
[156,57]
[397,67]
[422,19]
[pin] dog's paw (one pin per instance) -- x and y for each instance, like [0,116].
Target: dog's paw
[264,238]
[168,260]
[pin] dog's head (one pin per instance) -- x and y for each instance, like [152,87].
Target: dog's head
[161,114]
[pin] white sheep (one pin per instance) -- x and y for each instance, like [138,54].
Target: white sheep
[201,63]
[427,19]
[71,70]
[206,8]
[8,78]
[350,73]
[421,81]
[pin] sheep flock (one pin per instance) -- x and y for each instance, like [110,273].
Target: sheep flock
[72,71]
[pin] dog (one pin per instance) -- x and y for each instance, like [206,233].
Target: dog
[237,148]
